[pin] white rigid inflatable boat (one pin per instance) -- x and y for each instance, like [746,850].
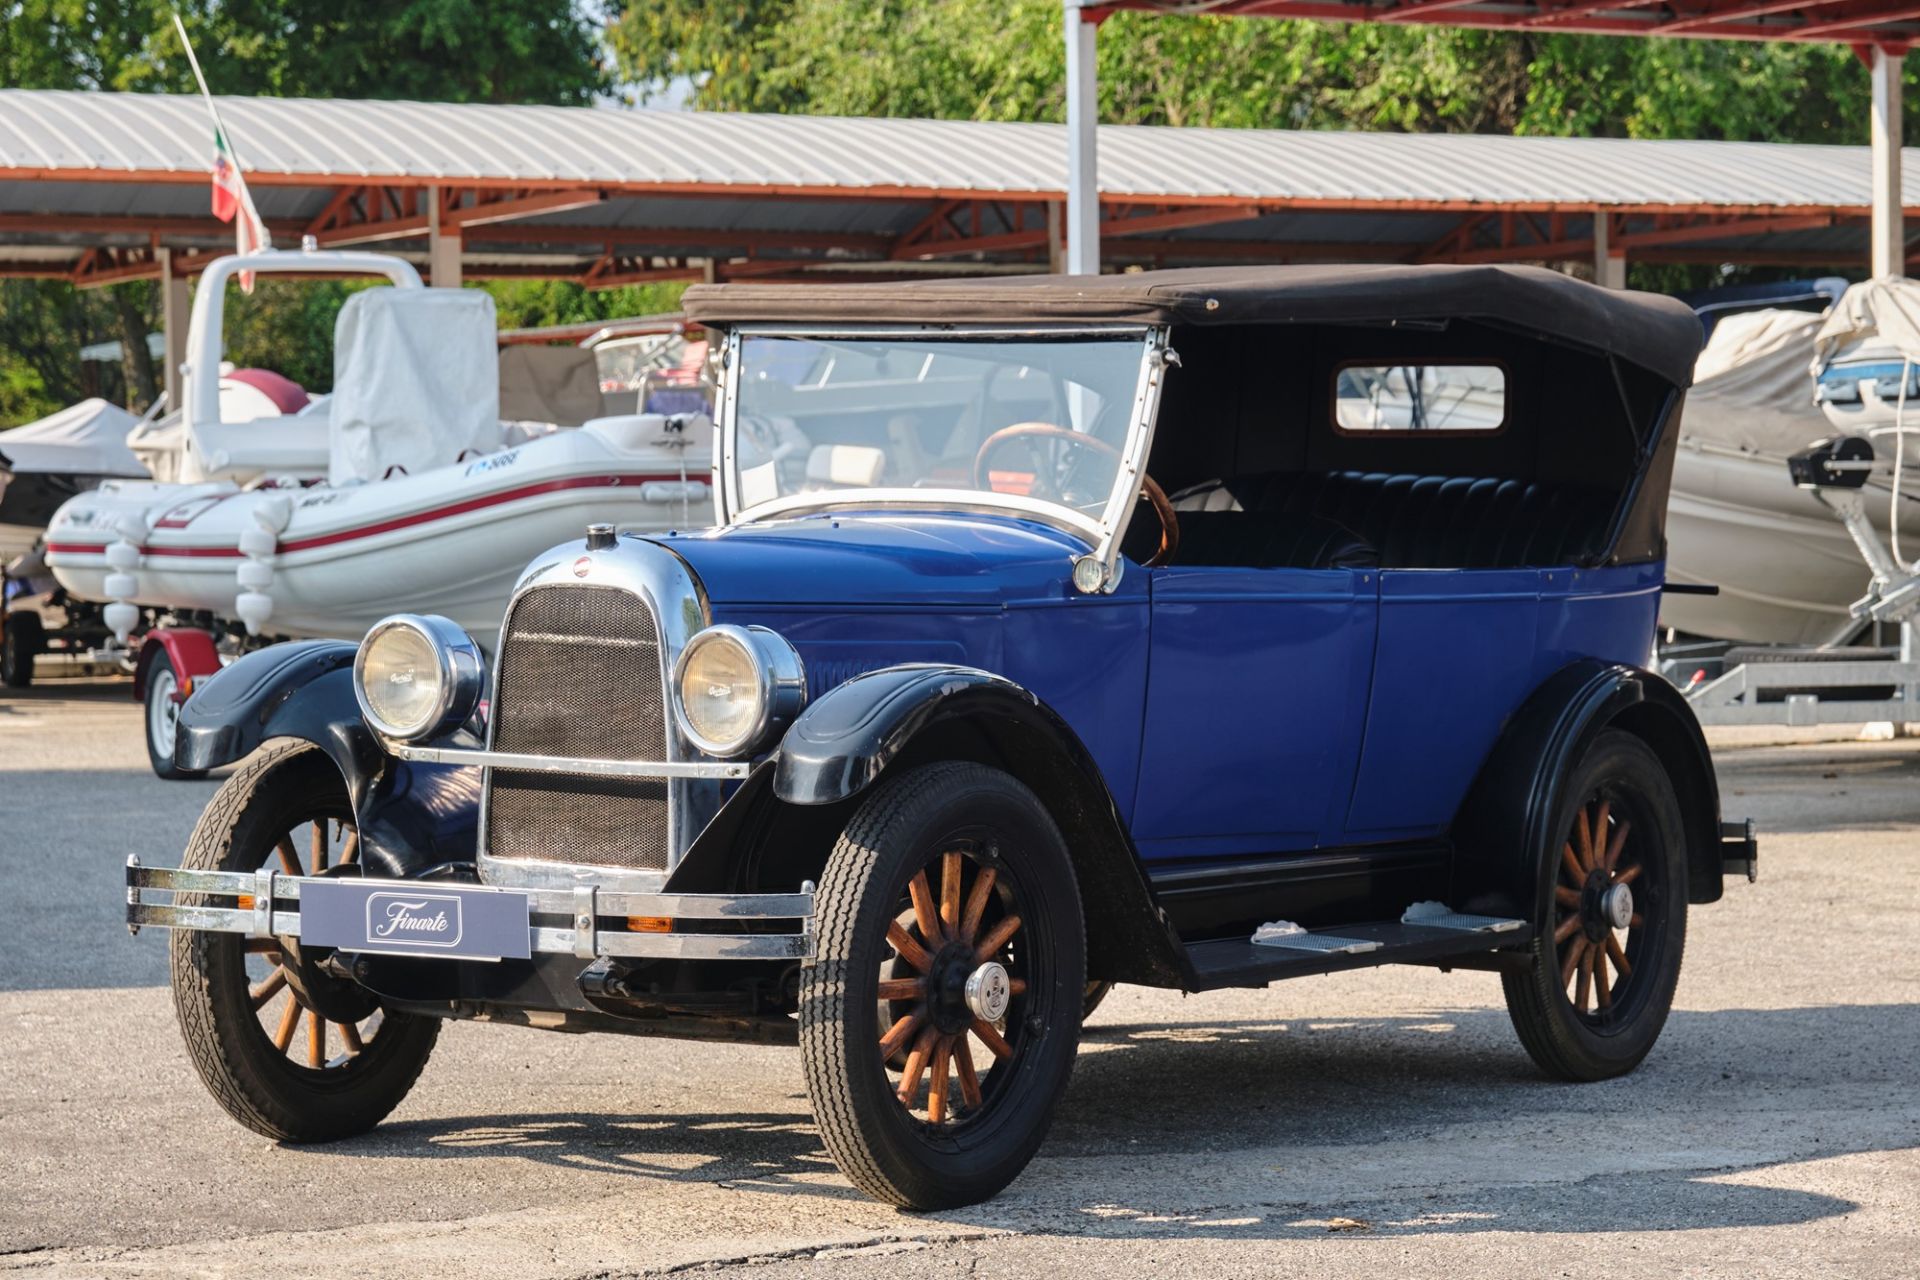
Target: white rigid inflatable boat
[420,503]
[331,562]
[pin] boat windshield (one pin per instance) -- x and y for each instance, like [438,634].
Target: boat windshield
[1035,423]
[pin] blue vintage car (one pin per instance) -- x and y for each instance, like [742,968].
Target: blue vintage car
[1194,629]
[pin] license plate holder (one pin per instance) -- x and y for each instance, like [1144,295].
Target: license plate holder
[395,917]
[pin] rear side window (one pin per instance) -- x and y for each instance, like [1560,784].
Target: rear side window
[1461,398]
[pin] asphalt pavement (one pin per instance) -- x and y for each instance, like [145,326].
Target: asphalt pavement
[1378,1123]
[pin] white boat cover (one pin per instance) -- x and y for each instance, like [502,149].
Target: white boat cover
[416,383]
[1888,309]
[85,439]
[560,385]
[1751,389]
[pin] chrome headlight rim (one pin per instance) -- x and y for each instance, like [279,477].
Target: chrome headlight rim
[780,684]
[459,667]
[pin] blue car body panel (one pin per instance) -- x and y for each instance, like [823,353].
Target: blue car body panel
[990,592]
[1231,711]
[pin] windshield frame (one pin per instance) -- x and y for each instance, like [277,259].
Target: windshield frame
[1101,532]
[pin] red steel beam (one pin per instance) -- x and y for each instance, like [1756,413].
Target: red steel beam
[1728,13]
[1423,9]
[485,212]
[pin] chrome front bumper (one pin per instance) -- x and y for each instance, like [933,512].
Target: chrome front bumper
[598,922]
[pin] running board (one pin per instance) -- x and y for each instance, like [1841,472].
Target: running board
[1241,962]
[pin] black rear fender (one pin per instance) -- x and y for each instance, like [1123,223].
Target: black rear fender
[1512,816]
[780,825]
[410,816]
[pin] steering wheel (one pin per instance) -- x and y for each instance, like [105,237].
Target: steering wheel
[1048,486]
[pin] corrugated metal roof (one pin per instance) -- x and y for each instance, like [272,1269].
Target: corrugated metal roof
[78,135]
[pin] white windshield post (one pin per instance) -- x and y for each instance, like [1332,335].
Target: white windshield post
[1133,467]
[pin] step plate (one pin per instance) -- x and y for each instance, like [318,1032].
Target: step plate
[1238,962]
[1435,915]
[1319,943]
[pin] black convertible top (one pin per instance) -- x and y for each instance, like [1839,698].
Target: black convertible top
[1657,333]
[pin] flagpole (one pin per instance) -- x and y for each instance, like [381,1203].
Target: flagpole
[205,93]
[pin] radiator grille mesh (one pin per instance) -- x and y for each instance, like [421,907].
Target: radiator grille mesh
[580,676]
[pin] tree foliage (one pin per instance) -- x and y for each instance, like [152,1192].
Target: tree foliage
[1001,60]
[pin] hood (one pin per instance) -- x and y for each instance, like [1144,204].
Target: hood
[882,558]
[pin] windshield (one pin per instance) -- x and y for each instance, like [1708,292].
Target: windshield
[1040,419]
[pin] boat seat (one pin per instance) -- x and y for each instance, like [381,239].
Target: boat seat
[1408,521]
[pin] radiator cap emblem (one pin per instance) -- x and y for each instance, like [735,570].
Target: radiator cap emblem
[583,566]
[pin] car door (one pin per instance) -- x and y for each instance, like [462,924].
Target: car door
[1256,697]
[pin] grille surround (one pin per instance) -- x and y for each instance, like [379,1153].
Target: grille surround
[581,673]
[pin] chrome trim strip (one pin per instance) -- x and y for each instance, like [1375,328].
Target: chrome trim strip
[684,946]
[559,902]
[562,764]
[976,501]
[588,942]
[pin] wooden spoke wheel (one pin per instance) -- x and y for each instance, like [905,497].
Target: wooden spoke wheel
[1594,908]
[952,988]
[283,1001]
[286,1046]
[1607,959]
[941,1012]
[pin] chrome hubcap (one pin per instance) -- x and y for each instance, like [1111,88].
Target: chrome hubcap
[988,992]
[1616,906]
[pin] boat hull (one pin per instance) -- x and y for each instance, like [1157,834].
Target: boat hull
[451,541]
[1784,563]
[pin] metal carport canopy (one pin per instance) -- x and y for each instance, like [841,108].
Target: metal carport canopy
[1879,31]
[99,187]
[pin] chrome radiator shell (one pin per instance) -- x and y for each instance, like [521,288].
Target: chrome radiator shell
[586,648]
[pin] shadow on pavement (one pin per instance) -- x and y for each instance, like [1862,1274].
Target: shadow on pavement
[1387,1090]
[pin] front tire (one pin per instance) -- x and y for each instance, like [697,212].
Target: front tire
[163,720]
[287,807]
[949,899]
[1612,915]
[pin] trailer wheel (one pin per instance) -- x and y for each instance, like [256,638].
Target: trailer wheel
[23,637]
[1612,919]
[948,926]
[163,720]
[286,1049]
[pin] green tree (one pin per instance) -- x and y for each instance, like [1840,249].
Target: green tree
[999,60]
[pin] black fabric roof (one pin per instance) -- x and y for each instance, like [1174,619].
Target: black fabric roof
[1655,332]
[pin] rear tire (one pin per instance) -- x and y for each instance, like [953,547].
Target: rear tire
[1615,1011]
[24,636]
[162,720]
[262,1084]
[889,909]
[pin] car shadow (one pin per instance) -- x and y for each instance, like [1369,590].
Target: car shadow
[1373,1099]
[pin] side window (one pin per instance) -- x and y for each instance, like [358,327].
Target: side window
[1397,399]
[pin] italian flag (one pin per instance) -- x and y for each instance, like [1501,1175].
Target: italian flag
[232,202]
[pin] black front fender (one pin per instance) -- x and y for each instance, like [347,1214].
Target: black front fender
[410,816]
[1511,817]
[847,738]
[906,716]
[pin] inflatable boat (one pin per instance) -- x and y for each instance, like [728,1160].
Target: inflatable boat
[403,485]
[325,561]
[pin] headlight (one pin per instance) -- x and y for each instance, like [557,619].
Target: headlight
[737,687]
[417,677]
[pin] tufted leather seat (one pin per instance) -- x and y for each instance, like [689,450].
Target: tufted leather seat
[1407,521]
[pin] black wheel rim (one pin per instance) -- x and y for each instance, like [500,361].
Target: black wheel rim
[961,911]
[1610,907]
